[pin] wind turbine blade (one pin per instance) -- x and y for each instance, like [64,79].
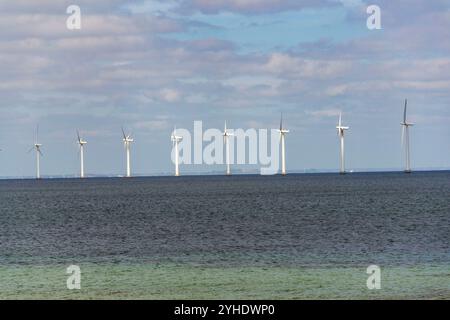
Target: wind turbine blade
[31,149]
[124,135]
[340,119]
[281,122]
[225,127]
[37,134]
[404,113]
[40,152]
[78,135]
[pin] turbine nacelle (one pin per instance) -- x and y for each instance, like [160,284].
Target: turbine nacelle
[176,138]
[126,138]
[81,142]
[282,131]
[341,129]
[37,146]
[226,133]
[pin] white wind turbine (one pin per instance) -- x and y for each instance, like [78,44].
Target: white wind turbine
[226,136]
[81,143]
[127,140]
[283,133]
[37,146]
[405,139]
[341,132]
[175,140]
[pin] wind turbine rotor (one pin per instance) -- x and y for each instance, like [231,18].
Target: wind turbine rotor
[174,136]
[81,142]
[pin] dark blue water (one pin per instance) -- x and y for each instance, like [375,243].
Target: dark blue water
[299,220]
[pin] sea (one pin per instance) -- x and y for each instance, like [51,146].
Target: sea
[301,236]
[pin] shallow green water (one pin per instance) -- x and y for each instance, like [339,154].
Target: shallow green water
[152,281]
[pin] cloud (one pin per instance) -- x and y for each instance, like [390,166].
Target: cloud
[60,6]
[325,113]
[288,65]
[170,95]
[153,125]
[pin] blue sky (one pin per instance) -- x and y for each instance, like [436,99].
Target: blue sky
[267,32]
[150,65]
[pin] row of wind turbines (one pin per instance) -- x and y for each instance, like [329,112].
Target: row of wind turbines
[176,139]
[405,140]
[127,140]
[226,136]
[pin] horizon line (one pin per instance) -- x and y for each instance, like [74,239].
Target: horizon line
[217,174]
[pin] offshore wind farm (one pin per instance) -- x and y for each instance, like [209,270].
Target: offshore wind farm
[227,135]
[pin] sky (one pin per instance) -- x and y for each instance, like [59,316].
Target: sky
[151,65]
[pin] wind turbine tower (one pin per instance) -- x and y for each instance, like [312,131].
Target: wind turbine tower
[127,140]
[176,140]
[81,142]
[341,132]
[405,139]
[283,133]
[226,136]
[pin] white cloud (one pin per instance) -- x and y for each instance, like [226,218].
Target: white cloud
[324,113]
[170,95]
[284,64]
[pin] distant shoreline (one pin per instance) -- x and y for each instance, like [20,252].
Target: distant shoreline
[218,174]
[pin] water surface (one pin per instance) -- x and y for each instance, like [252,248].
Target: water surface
[298,233]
